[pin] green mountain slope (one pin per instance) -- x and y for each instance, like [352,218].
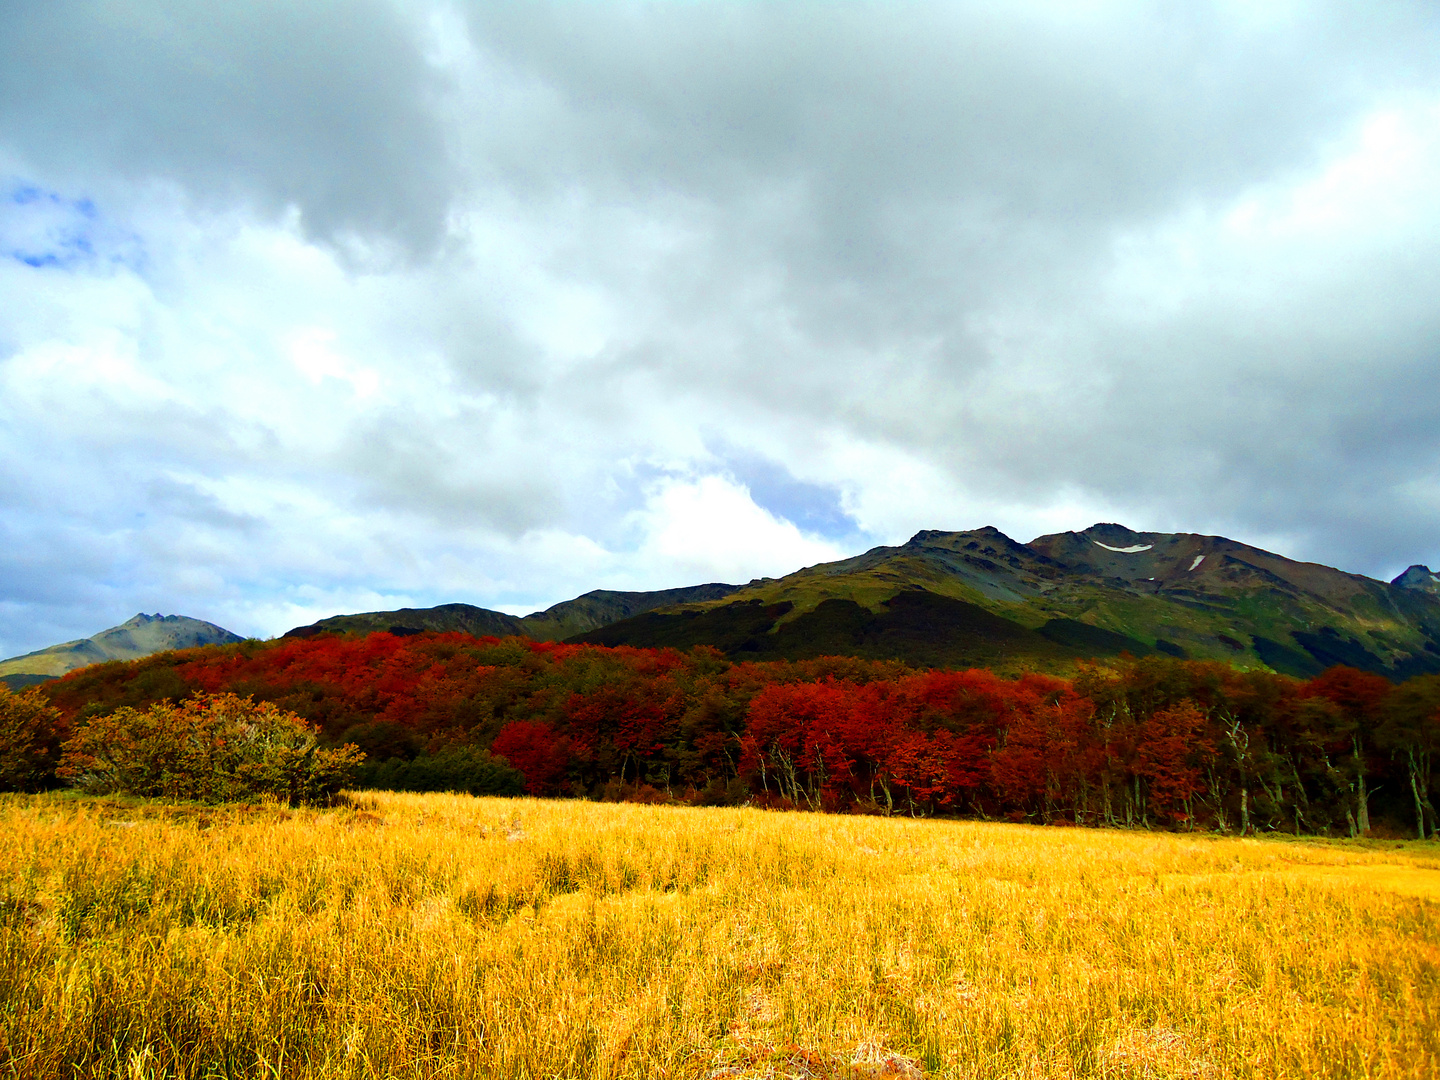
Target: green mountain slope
[915,625]
[132,639]
[463,617]
[563,620]
[1092,593]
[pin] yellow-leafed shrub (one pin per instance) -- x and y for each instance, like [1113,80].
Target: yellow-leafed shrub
[211,748]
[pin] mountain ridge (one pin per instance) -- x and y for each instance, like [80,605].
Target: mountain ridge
[586,612]
[1108,589]
[946,598]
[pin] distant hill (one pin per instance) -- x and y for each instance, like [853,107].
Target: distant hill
[132,639]
[979,597]
[563,620]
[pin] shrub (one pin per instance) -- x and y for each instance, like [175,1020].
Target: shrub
[30,732]
[455,768]
[211,748]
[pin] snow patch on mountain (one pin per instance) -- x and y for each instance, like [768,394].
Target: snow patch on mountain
[1125,550]
[1198,560]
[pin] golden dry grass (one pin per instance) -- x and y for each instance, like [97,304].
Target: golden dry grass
[428,936]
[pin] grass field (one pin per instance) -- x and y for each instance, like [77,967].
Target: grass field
[449,936]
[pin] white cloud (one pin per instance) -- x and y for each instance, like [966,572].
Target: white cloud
[312,350]
[711,525]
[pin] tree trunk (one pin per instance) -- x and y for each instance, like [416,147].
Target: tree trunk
[1219,797]
[1362,809]
[1302,802]
[885,788]
[1424,786]
[1239,740]
[1419,803]
[1419,770]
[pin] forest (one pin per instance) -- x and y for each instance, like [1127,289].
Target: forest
[1155,742]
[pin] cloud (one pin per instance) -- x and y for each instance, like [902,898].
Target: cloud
[335,305]
[816,508]
[712,525]
[323,106]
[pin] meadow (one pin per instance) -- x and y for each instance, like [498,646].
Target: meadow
[449,936]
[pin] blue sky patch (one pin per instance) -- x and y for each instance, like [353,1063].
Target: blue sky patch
[814,508]
[44,229]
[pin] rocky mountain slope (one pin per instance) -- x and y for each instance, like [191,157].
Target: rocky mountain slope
[132,639]
[980,597]
[1419,577]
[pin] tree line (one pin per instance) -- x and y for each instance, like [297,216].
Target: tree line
[1156,742]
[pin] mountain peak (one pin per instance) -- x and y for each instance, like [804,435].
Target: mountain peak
[985,532]
[1418,577]
[1111,531]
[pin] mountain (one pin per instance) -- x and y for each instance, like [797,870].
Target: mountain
[137,637]
[463,617]
[981,598]
[1419,577]
[563,620]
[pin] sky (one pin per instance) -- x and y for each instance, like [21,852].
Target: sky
[344,306]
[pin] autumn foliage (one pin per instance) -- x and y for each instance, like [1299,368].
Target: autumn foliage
[211,748]
[1180,744]
[30,733]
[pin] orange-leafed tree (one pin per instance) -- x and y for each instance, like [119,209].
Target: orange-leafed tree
[31,730]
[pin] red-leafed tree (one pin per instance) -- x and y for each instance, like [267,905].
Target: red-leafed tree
[937,769]
[1170,752]
[1411,731]
[1360,696]
[796,740]
[1046,758]
[540,753]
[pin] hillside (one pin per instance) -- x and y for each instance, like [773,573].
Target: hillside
[143,635]
[595,609]
[980,597]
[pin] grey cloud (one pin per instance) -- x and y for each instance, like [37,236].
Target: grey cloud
[896,172]
[915,129]
[324,105]
[184,502]
[455,482]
